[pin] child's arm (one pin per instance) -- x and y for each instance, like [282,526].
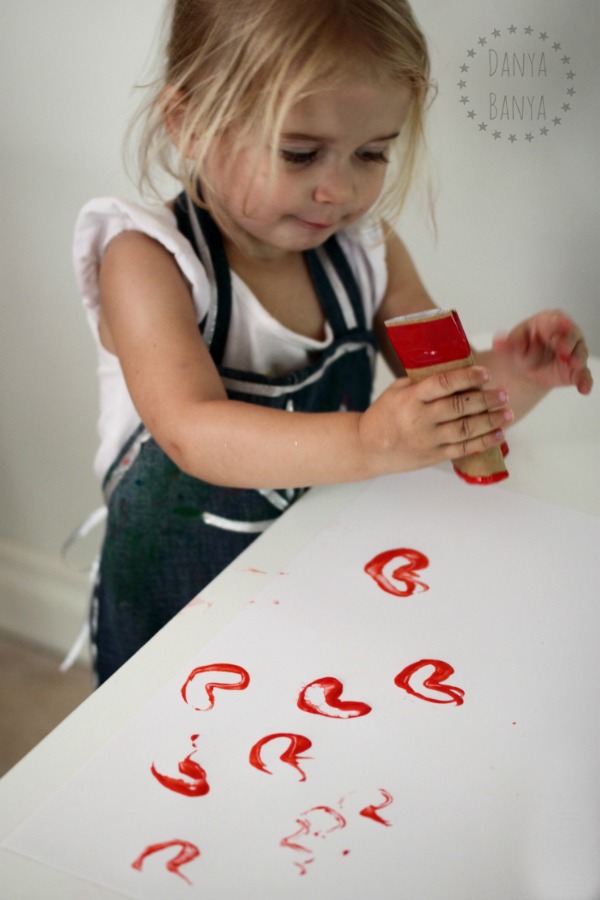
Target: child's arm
[148,320]
[545,351]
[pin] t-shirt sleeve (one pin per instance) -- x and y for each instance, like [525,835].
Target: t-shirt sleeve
[104,218]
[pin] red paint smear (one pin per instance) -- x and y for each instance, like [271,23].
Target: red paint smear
[187,852]
[404,574]
[340,821]
[297,744]
[290,841]
[332,690]
[430,342]
[481,479]
[442,670]
[305,829]
[197,787]
[229,668]
[370,812]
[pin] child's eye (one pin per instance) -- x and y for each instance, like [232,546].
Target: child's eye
[377,156]
[298,157]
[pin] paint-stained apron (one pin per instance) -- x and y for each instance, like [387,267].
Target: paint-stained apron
[169,534]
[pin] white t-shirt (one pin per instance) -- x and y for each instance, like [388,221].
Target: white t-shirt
[256,341]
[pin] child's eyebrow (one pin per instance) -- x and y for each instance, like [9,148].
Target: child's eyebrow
[298,136]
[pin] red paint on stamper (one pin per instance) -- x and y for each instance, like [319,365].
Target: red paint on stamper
[481,479]
[297,743]
[433,340]
[229,668]
[434,682]
[371,812]
[187,852]
[403,574]
[325,700]
[197,786]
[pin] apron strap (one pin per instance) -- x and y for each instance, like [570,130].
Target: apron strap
[325,292]
[198,226]
[340,262]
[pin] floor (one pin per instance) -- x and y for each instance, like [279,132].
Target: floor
[34,696]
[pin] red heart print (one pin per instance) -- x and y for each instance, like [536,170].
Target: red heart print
[228,668]
[297,743]
[322,697]
[187,852]
[197,786]
[441,671]
[403,575]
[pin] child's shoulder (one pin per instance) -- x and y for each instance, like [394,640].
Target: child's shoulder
[103,218]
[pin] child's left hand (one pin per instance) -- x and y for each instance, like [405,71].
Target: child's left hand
[547,350]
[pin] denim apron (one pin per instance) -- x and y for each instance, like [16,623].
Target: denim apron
[169,534]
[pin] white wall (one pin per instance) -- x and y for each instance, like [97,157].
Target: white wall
[67,71]
[517,221]
[517,231]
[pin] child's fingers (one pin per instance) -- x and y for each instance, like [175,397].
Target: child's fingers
[572,353]
[468,403]
[471,434]
[452,381]
[459,394]
[572,349]
[577,372]
[537,335]
[461,411]
[473,445]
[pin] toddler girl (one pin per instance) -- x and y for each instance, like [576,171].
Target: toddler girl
[237,326]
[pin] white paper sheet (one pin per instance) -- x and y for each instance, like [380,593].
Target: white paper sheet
[492,791]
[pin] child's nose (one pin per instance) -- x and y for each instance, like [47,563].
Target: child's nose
[335,184]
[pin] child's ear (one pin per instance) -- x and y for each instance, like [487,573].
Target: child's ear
[173,105]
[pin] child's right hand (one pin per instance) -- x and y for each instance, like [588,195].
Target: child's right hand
[443,417]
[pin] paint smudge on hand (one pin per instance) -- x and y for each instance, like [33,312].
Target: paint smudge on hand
[371,812]
[402,582]
[197,786]
[322,698]
[433,682]
[297,743]
[187,852]
[226,668]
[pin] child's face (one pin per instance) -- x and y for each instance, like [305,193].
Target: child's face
[331,165]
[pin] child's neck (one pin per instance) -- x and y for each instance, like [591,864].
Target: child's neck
[282,285]
[259,255]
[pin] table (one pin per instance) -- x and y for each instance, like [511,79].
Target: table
[554,456]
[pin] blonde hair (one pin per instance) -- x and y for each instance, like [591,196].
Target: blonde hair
[245,63]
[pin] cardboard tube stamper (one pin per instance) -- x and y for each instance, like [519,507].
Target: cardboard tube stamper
[434,341]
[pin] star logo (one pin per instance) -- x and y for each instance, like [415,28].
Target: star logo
[520,83]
